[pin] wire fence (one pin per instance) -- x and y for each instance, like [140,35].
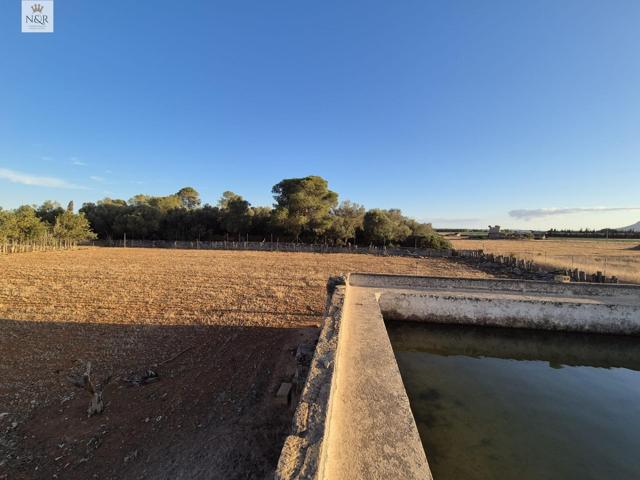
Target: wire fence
[50,244]
[277,247]
[606,262]
[580,267]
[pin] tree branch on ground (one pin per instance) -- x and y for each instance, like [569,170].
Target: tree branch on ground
[85,382]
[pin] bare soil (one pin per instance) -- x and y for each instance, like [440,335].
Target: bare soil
[219,329]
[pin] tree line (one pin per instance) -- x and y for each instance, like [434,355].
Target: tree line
[49,221]
[587,233]
[304,210]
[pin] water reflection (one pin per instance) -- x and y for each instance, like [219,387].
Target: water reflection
[516,404]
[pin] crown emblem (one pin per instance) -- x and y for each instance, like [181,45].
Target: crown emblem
[37,8]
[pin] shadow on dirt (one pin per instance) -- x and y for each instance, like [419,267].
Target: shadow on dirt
[207,411]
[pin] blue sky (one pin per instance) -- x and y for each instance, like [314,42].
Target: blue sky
[458,112]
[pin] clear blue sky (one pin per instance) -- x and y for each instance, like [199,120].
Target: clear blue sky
[457,112]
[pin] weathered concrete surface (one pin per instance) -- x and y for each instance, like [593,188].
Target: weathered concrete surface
[542,313]
[495,284]
[372,433]
[300,455]
[354,420]
[593,308]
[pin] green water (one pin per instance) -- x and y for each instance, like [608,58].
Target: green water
[516,404]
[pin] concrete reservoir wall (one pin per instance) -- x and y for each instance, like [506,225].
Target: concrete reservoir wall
[354,420]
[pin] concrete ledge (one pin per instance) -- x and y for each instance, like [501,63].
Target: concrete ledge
[573,307]
[372,433]
[495,284]
[514,313]
[354,419]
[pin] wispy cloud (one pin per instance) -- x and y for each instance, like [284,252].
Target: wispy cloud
[35,180]
[78,163]
[96,178]
[46,158]
[530,214]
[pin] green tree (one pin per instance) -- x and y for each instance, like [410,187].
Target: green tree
[164,204]
[48,211]
[424,236]
[400,229]
[113,201]
[303,206]
[189,198]
[227,197]
[72,227]
[140,222]
[103,215]
[348,218]
[202,223]
[261,222]
[21,225]
[378,227]
[8,226]
[236,213]
[139,199]
[29,226]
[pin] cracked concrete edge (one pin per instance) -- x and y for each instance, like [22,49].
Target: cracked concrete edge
[300,456]
[385,280]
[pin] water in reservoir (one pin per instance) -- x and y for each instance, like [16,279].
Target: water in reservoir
[494,404]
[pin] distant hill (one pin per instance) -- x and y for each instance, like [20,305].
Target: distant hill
[631,228]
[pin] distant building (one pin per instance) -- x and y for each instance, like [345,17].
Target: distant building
[494,233]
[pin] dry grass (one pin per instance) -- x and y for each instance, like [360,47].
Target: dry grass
[612,257]
[169,287]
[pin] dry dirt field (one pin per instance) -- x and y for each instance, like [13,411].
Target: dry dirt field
[219,329]
[612,257]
